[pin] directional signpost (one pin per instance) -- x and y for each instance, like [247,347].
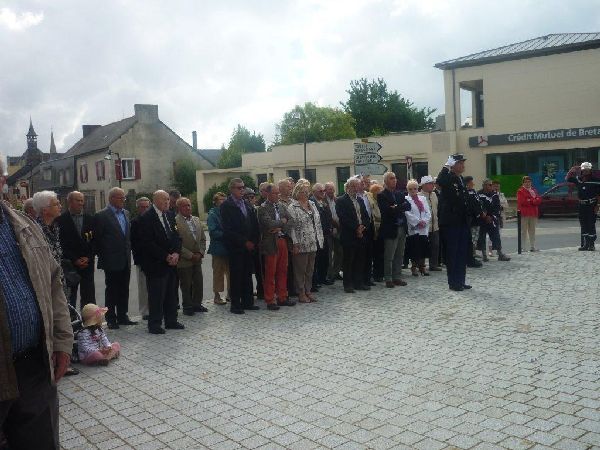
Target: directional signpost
[367,157]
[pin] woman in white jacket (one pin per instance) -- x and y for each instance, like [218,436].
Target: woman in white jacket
[417,243]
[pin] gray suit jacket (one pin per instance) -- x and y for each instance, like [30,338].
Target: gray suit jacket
[267,221]
[110,244]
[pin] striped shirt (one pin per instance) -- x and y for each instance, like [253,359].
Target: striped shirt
[22,311]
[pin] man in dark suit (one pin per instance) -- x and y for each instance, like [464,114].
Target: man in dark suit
[393,205]
[161,247]
[112,245]
[354,220]
[455,220]
[240,234]
[76,233]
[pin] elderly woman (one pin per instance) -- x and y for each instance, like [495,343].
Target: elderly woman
[528,202]
[374,191]
[418,228]
[307,237]
[220,263]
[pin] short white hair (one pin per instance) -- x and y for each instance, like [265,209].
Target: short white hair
[42,200]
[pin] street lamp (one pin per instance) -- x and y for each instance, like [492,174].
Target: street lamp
[108,157]
[300,115]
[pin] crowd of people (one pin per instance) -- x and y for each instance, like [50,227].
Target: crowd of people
[291,237]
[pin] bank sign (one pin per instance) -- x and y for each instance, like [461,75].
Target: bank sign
[528,137]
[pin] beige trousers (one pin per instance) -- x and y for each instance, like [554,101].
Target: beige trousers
[142,291]
[528,225]
[220,267]
[303,265]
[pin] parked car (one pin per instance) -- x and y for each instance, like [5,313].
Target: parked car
[560,200]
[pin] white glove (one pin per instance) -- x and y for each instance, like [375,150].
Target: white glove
[451,161]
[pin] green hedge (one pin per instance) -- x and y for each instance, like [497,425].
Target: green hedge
[224,187]
[509,184]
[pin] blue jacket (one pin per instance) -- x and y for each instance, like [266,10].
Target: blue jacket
[215,231]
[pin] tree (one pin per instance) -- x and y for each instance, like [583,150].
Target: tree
[207,200]
[378,111]
[185,175]
[321,124]
[241,142]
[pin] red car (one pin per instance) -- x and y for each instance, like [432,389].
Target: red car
[560,200]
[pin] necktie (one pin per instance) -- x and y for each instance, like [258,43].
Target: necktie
[166,223]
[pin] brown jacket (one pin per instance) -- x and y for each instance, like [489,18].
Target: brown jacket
[44,273]
[189,245]
[267,221]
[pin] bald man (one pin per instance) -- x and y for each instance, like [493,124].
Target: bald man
[160,246]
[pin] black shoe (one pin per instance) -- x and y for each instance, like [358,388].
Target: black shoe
[145,317]
[126,321]
[200,309]
[252,308]
[474,263]
[457,288]
[349,291]
[467,286]
[272,307]
[113,325]
[591,248]
[582,249]
[370,283]
[156,330]
[175,326]
[237,311]
[187,312]
[327,282]
[362,288]
[287,303]
[71,371]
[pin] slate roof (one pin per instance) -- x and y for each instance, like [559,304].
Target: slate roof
[19,174]
[212,155]
[101,137]
[540,46]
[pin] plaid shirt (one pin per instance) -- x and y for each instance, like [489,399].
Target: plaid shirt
[24,317]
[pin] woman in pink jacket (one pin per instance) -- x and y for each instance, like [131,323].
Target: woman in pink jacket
[528,201]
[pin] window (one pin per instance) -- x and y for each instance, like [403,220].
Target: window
[419,170]
[67,176]
[342,175]
[102,200]
[47,175]
[311,175]
[61,178]
[261,178]
[100,170]
[471,103]
[128,169]
[294,173]
[83,173]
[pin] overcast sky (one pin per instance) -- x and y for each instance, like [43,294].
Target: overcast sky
[210,65]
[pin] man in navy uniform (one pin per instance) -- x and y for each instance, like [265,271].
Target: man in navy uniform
[588,190]
[455,218]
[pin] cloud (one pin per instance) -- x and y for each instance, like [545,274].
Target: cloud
[19,22]
[212,65]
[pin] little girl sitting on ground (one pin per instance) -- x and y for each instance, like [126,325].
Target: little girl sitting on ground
[92,343]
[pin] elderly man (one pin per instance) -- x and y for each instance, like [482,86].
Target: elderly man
[112,245]
[36,337]
[334,245]
[322,259]
[353,224]
[161,248]
[273,219]
[369,231]
[240,235]
[393,229]
[455,220]
[28,209]
[142,204]
[76,234]
[427,189]
[193,249]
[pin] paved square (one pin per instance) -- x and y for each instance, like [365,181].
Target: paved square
[513,363]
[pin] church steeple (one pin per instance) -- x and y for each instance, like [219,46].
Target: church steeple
[31,137]
[52,145]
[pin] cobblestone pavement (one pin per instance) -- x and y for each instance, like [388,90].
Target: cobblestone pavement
[513,363]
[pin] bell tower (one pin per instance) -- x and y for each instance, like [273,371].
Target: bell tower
[31,137]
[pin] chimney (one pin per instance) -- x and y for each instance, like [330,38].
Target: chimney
[88,129]
[195,140]
[146,113]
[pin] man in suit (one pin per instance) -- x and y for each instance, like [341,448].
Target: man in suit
[240,234]
[142,204]
[455,220]
[322,258]
[370,229]
[393,205]
[274,219]
[161,248]
[335,248]
[354,220]
[112,245]
[76,233]
[193,249]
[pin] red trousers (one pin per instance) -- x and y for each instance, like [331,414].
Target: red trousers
[276,273]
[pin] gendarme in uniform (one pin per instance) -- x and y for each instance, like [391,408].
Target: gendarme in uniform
[588,190]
